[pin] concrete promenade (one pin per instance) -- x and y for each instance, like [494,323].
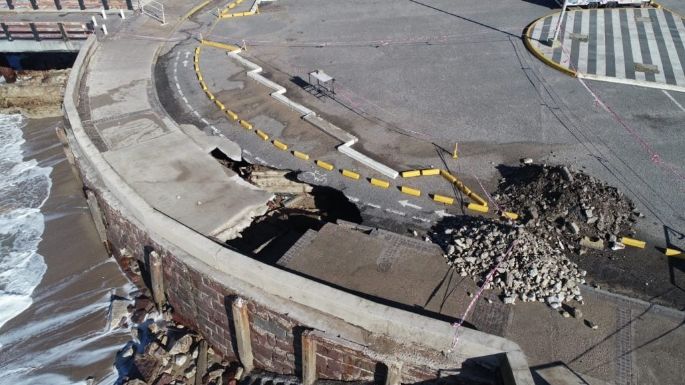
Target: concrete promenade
[172,173]
[156,178]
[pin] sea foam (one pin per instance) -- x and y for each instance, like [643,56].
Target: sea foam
[24,188]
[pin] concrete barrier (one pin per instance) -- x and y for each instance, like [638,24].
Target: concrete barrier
[477,208]
[410,191]
[300,155]
[430,171]
[411,173]
[633,242]
[350,174]
[231,115]
[246,125]
[443,199]
[280,145]
[325,165]
[263,135]
[379,183]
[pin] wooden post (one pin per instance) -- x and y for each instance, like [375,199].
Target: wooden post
[241,322]
[394,376]
[201,363]
[308,360]
[157,279]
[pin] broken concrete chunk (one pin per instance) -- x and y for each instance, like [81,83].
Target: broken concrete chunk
[594,243]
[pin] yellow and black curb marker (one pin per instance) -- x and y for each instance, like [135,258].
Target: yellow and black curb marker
[478,203]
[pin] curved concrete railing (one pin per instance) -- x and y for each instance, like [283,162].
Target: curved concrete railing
[301,298]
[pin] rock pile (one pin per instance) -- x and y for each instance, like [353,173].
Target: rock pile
[164,352]
[534,270]
[575,208]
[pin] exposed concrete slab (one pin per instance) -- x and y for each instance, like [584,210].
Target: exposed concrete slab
[126,131]
[209,143]
[186,184]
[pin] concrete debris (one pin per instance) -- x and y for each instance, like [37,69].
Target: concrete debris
[569,207]
[594,243]
[534,270]
[183,345]
[576,312]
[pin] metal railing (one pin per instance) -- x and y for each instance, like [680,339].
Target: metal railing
[153,9]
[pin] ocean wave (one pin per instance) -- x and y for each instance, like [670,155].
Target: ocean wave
[24,188]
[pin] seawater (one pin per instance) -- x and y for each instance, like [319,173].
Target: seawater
[24,188]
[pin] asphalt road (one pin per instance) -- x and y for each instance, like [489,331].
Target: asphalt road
[414,77]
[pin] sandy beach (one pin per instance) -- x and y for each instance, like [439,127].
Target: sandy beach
[62,338]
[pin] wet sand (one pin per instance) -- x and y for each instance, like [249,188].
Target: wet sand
[61,337]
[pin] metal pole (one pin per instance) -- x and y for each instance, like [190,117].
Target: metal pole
[561,17]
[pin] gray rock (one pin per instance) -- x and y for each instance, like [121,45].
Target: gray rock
[182,345]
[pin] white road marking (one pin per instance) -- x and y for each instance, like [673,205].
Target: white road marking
[375,206]
[185,100]
[352,199]
[176,79]
[196,113]
[392,211]
[203,120]
[673,100]
[247,152]
[426,220]
[178,87]
[442,213]
[185,63]
[405,203]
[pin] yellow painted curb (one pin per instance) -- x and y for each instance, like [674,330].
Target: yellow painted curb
[262,134]
[231,114]
[448,177]
[526,41]
[411,173]
[199,77]
[379,183]
[215,44]
[633,242]
[479,208]
[246,125]
[220,105]
[443,199]
[300,155]
[350,174]
[410,191]
[324,165]
[232,5]
[196,59]
[204,86]
[195,9]
[197,68]
[510,215]
[430,171]
[209,95]
[280,145]
[672,252]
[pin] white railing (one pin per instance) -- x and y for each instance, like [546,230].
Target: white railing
[153,9]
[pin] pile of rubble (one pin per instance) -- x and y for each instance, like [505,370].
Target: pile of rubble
[164,352]
[532,270]
[563,212]
[571,209]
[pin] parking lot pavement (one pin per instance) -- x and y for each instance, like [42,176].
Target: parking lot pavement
[630,45]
